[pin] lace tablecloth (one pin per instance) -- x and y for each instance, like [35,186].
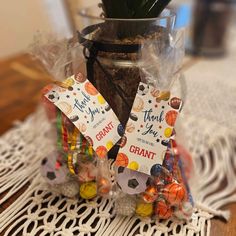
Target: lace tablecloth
[207,128]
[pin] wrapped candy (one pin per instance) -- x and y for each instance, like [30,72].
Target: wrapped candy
[75,163]
[73,168]
[79,164]
[144,209]
[149,164]
[163,194]
[163,210]
[126,205]
[103,176]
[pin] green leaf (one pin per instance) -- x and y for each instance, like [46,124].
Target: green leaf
[143,10]
[116,9]
[158,8]
[133,8]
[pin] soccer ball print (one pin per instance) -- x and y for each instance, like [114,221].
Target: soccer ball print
[130,181]
[53,169]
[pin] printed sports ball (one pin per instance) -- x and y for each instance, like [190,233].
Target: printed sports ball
[168,132]
[163,95]
[133,165]
[65,107]
[109,145]
[53,96]
[82,127]
[131,182]
[155,92]
[122,160]
[156,170]
[143,89]
[90,89]
[175,103]
[101,151]
[101,99]
[171,117]
[69,82]
[122,142]
[53,169]
[174,193]
[49,107]
[138,104]
[120,130]
[130,127]
[80,77]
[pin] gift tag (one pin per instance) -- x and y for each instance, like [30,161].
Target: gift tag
[80,101]
[148,129]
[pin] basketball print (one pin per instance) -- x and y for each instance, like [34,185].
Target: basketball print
[171,117]
[122,160]
[90,89]
[101,151]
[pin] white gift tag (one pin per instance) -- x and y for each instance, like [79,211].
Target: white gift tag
[87,109]
[148,129]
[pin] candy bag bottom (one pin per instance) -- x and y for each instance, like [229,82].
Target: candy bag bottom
[164,194]
[73,168]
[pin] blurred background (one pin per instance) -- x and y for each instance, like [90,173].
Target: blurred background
[20,20]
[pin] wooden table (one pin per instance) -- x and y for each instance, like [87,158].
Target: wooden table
[21,79]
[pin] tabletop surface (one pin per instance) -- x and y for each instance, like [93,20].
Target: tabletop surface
[21,80]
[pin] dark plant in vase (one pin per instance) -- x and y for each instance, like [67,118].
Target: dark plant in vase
[133,9]
[113,49]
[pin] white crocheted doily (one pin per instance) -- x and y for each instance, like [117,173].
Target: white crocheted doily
[207,128]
